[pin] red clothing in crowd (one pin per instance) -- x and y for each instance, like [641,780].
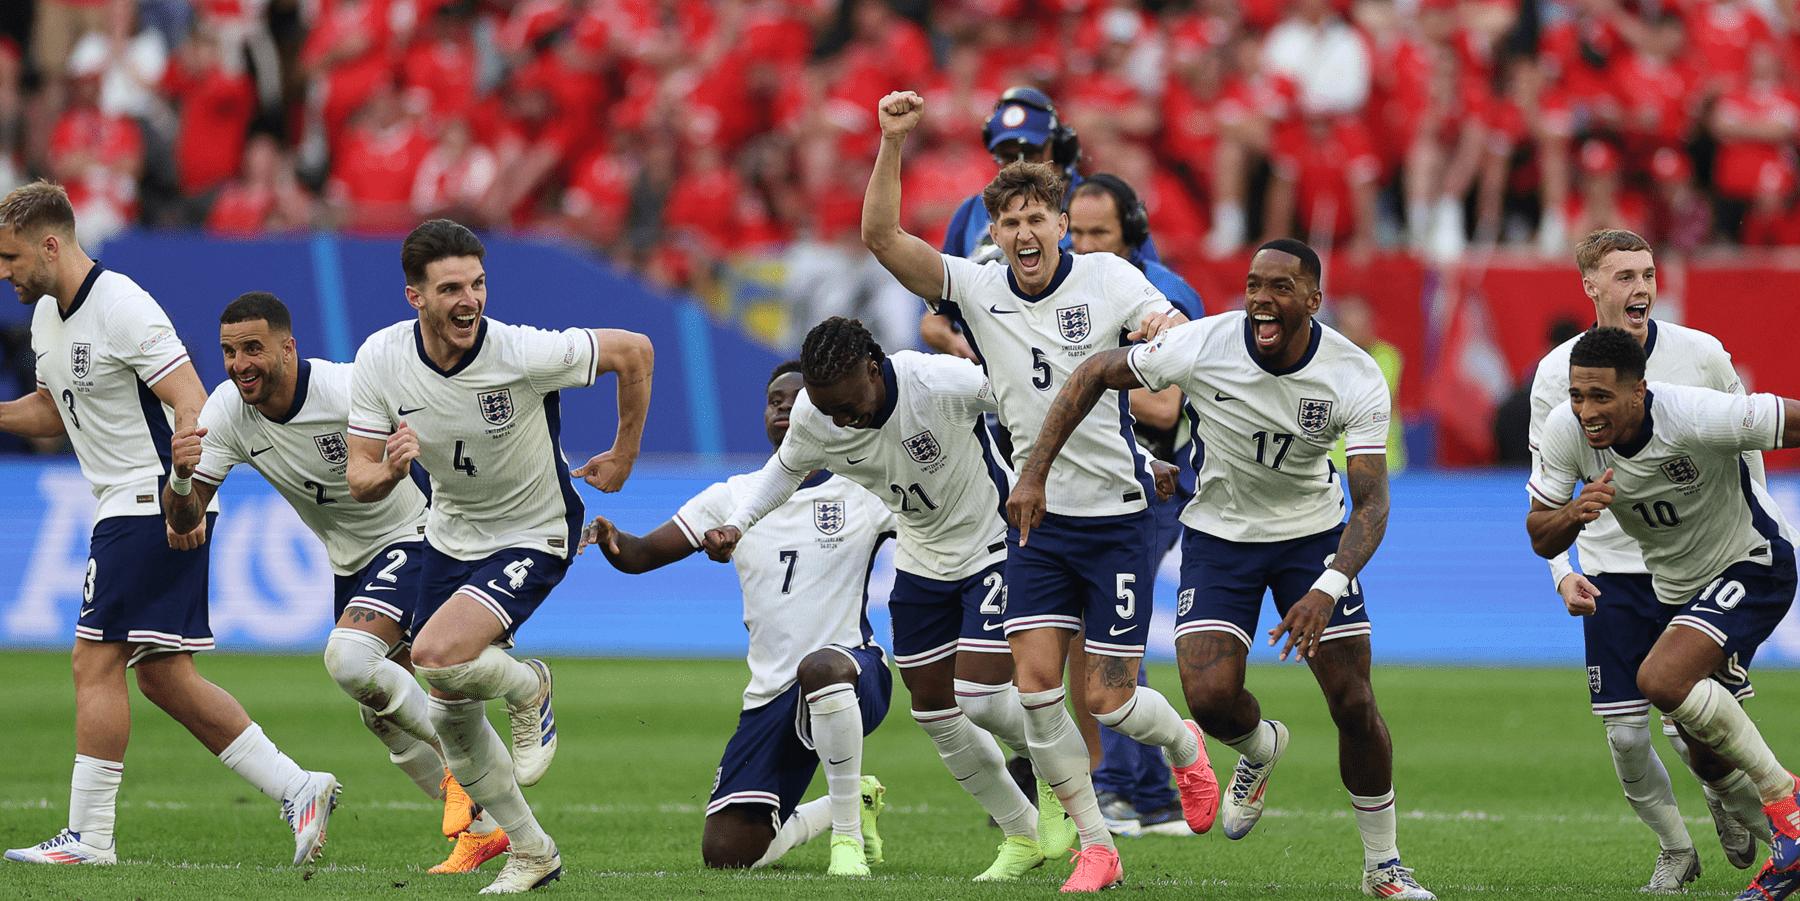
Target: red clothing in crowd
[216,108]
[441,74]
[1656,101]
[1327,165]
[1745,169]
[1720,35]
[705,203]
[112,144]
[349,82]
[376,170]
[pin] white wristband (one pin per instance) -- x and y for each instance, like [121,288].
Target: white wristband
[1333,583]
[181,486]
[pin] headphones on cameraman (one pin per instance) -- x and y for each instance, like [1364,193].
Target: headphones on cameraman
[1134,220]
[1065,147]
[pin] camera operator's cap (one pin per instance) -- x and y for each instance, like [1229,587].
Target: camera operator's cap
[1016,121]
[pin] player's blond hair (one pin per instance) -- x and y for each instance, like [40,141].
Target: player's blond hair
[38,207]
[1036,182]
[1600,242]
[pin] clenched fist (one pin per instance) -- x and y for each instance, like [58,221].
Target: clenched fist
[900,113]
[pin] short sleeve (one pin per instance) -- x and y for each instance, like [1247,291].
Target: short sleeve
[1166,360]
[144,339]
[557,360]
[959,276]
[704,512]
[959,388]
[1721,375]
[369,417]
[1547,390]
[218,447]
[1134,293]
[799,451]
[1367,416]
[1554,468]
[1735,422]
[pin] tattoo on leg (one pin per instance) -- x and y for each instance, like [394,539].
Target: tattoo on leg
[1114,673]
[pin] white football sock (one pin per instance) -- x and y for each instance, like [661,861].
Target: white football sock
[483,824]
[1713,716]
[1645,780]
[1257,745]
[93,799]
[1375,820]
[1061,759]
[480,761]
[419,761]
[253,756]
[810,820]
[1148,718]
[359,663]
[837,735]
[975,762]
[995,709]
[493,674]
[1736,793]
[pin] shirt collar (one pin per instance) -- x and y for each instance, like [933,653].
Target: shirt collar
[468,358]
[87,286]
[892,387]
[1633,447]
[1062,272]
[301,381]
[1312,347]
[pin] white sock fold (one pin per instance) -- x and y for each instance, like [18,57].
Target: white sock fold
[1257,745]
[93,799]
[837,734]
[1712,715]
[995,709]
[480,761]
[1148,717]
[359,663]
[1645,780]
[975,763]
[493,674]
[1375,819]
[1061,759]
[810,820]
[1736,793]
[253,756]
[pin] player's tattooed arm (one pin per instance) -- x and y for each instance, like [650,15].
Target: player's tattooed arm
[916,264]
[1368,516]
[630,553]
[634,359]
[1101,372]
[32,416]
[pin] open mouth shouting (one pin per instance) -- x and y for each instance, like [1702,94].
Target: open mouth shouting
[1637,313]
[1031,258]
[463,325]
[1266,328]
[1597,431]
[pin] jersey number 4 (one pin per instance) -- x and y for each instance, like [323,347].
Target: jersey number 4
[463,463]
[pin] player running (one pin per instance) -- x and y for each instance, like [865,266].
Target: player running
[476,402]
[1613,593]
[1031,321]
[910,428]
[818,680]
[1269,392]
[285,416]
[1670,458]
[115,378]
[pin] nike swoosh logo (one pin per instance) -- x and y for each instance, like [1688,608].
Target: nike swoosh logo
[997,311]
[989,627]
[87,611]
[405,412]
[496,587]
[1348,611]
[378,588]
[258,453]
[836,762]
[853,460]
[1115,631]
[43,355]
[1220,395]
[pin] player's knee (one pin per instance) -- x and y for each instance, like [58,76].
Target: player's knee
[1353,707]
[160,685]
[430,655]
[1628,736]
[729,853]
[353,659]
[824,667]
[1663,689]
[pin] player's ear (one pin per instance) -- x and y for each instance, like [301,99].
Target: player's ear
[1062,224]
[414,298]
[1588,288]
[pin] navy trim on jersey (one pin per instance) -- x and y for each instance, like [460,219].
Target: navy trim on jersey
[572,507]
[422,479]
[892,386]
[1196,444]
[1312,348]
[949,308]
[1650,339]
[160,433]
[868,631]
[818,478]
[1062,272]
[995,473]
[301,381]
[81,294]
[468,358]
[1632,447]
[1759,518]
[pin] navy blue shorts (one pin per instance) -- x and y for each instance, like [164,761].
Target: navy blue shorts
[1092,570]
[1627,621]
[770,758]
[510,583]
[933,619]
[1741,608]
[1222,584]
[389,585]
[142,591]
[1168,521]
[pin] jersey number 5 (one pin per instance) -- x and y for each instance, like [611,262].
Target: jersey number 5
[1040,370]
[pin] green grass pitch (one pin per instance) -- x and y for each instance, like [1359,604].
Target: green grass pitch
[1505,790]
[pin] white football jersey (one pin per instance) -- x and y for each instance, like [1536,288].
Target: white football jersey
[927,455]
[488,428]
[99,363]
[1677,355]
[804,570]
[1685,495]
[304,456]
[1263,438]
[1030,345]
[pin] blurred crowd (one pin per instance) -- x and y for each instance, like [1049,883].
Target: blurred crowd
[677,134]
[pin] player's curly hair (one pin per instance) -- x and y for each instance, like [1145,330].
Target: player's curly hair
[783,368]
[834,348]
[1036,182]
[1609,348]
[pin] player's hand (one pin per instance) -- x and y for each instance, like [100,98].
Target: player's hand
[1155,324]
[1595,497]
[184,452]
[1578,594]
[402,449]
[188,541]
[900,113]
[1304,624]
[608,470]
[1166,475]
[1025,506]
[721,543]
[601,532]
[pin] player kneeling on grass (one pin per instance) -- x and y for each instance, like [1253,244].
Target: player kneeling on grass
[818,680]
[1669,459]
[285,417]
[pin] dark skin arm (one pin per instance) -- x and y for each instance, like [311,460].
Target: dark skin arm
[631,554]
[1553,529]
[1091,380]
[1306,620]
